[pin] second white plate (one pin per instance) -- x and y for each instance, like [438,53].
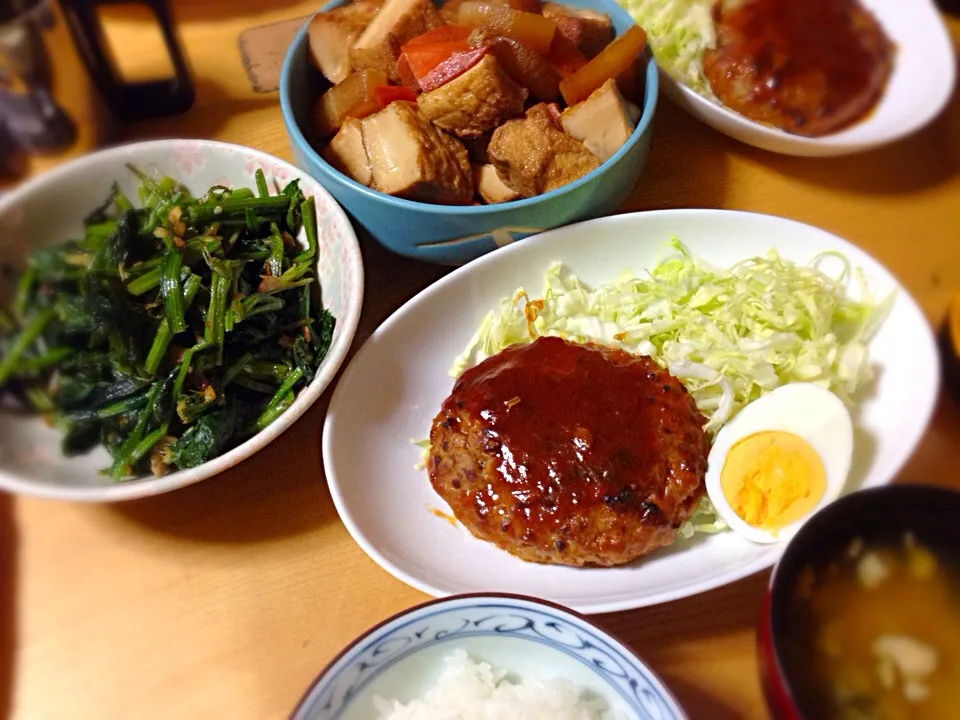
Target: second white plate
[924,73]
[397,382]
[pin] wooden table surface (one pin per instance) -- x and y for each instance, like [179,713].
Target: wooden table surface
[226,598]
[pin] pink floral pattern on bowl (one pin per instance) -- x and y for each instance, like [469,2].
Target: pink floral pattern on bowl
[25,464]
[277,175]
[188,157]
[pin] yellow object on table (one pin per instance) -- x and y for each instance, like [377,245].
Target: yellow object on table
[226,599]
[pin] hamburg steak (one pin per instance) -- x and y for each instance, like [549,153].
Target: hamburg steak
[809,67]
[569,454]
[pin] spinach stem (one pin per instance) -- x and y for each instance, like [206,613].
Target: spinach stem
[185,368]
[123,463]
[172,291]
[280,399]
[234,208]
[161,340]
[24,293]
[262,188]
[33,366]
[146,282]
[23,342]
[275,410]
[215,329]
[309,214]
[146,445]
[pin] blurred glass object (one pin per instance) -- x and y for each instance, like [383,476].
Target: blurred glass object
[31,116]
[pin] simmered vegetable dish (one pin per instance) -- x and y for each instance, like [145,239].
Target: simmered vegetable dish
[472,102]
[169,332]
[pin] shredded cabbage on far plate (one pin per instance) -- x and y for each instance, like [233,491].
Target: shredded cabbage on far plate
[729,335]
[679,31]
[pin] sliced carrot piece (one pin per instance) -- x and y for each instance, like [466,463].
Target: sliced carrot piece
[424,58]
[452,67]
[534,31]
[406,74]
[612,60]
[386,94]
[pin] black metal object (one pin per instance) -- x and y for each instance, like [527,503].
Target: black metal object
[129,101]
[13,9]
[949,6]
[12,156]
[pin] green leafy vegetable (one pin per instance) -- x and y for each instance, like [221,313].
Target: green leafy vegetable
[729,335]
[679,32]
[171,332]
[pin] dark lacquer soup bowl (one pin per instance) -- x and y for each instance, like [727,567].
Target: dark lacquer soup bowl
[862,614]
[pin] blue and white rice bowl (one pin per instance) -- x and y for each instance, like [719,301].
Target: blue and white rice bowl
[403,657]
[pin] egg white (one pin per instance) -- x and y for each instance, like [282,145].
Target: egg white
[806,410]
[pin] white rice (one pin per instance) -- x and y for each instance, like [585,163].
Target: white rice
[468,690]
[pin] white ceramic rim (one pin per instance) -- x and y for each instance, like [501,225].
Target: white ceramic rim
[347,322]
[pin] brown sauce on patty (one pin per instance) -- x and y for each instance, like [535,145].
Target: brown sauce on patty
[809,67]
[564,432]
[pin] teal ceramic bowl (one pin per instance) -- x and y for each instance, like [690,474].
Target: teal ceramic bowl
[453,235]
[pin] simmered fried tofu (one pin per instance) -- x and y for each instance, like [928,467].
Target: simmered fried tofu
[398,21]
[332,33]
[474,102]
[601,122]
[533,156]
[412,159]
[590,31]
[491,187]
[347,153]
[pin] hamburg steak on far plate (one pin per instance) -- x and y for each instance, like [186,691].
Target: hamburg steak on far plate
[569,454]
[809,68]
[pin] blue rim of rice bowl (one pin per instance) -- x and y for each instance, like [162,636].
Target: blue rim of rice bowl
[648,690]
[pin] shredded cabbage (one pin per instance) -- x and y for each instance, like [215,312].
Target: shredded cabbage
[729,335]
[679,31]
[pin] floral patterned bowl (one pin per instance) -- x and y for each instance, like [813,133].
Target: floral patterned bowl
[402,658]
[50,209]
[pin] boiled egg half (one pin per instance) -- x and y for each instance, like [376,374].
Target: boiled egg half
[783,457]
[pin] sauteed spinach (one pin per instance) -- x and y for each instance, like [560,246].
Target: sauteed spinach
[172,331]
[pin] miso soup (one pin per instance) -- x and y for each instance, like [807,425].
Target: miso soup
[875,635]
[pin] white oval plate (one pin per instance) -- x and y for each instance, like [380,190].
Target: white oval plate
[397,382]
[924,73]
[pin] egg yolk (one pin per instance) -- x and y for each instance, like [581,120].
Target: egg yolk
[772,479]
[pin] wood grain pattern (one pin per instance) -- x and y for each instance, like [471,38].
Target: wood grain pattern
[225,599]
